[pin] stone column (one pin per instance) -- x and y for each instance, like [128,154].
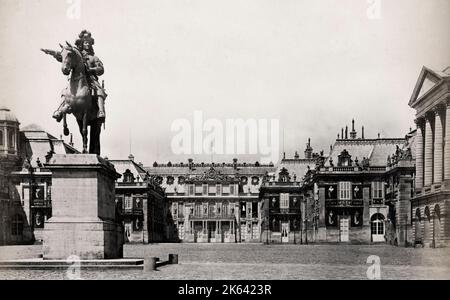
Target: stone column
[438,142]
[447,143]
[428,162]
[419,154]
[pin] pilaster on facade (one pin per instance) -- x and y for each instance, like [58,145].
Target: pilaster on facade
[446,141]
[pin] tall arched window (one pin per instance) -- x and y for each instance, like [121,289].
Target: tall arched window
[2,138]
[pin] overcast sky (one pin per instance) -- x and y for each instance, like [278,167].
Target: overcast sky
[314,65]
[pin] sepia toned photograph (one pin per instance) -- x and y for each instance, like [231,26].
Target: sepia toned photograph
[199,140]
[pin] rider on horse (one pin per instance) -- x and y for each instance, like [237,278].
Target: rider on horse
[94,68]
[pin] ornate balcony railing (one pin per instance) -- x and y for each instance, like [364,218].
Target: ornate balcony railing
[133,211]
[41,203]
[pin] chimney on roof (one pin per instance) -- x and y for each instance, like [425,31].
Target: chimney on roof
[309,150]
[342,133]
[379,135]
[131,157]
[353,133]
[235,160]
[362,132]
[346,132]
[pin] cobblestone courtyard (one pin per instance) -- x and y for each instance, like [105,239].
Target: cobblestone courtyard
[256,261]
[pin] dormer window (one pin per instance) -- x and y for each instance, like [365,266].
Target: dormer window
[128,177]
[344,159]
[284,175]
[181,180]
[255,180]
[170,180]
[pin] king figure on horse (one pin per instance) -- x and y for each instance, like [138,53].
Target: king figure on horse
[84,97]
[94,68]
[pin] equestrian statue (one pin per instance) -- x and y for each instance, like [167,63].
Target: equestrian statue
[84,97]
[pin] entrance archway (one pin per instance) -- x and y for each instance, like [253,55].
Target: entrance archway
[377,227]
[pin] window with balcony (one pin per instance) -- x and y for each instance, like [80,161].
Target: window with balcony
[344,190]
[232,189]
[219,209]
[128,204]
[197,210]
[212,210]
[377,190]
[284,200]
[191,190]
[218,189]
[225,209]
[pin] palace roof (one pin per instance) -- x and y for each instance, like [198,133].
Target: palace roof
[375,150]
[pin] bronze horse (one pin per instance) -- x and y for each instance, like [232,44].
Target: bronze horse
[78,98]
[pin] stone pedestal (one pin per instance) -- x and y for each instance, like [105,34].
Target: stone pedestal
[83,221]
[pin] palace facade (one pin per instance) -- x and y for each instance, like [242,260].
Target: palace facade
[346,191]
[282,199]
[217,203]
[431,204]
[142,205]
